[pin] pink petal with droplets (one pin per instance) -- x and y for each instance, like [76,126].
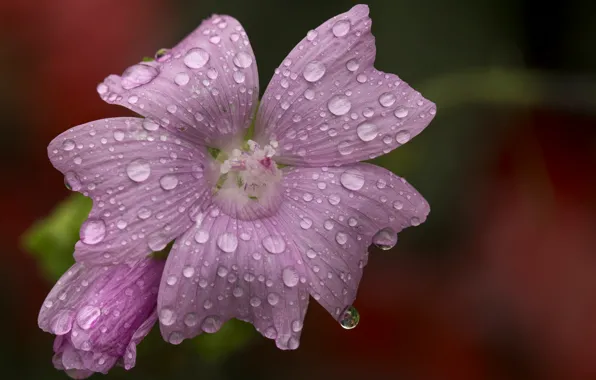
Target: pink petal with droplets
[328,105]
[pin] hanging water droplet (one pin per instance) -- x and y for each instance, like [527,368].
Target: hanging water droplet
[339,105]
[138,170]
[352,179]
[341,28]
[349,318]
[196,58]
[385,239]
[274,244]
[314,71]
[367,131]
[227,242]
[137,75]
[93,231]
[242,59]
[211,324]
[157,241]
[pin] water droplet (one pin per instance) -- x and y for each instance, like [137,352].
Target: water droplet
[118,135]
[341,28]
[255,302]
[211,324]
[215,39]
[102,88]
[239,77]
[191,319]
[361,78]
[349,318]
[202,236]
[352,65]
[168,182]
[290,276]
[381,183]
[167,317]
[196,58]
[339,105]
[176,337]
[68,145]
[133,99]
[137,75]
[182,79]
[309,94]
[87,316]
[72,181]
[162,55]
[306,223]
[144,213]
[274,244]
[212,73]
[243,60]
[334,199]
[227,242]
[387,99]
[150,125]
[311,35]
[352,179]
[311,254]
[172,280]
[188,271]
[367,131]
[138,170]
[415,221]
[341,238]
[398,205]
[402,137]
[400,112]
[93,231]
[385,239]
[273,299]
[345,148]
[314,71]
[328,225]
[172,108]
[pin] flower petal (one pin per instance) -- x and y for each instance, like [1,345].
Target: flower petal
[334,214]
[225,268]
[328,105]
[206,88]
[143,181]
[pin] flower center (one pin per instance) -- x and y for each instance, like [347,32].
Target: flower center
[248,184]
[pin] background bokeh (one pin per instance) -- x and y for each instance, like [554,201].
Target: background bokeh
[499,283]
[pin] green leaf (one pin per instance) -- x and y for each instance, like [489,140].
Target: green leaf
[51,240]
[232,336]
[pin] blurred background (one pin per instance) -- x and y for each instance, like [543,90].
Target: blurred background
[499,283]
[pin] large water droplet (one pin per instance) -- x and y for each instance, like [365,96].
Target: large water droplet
[367,131]
[196,58]
[167,317]
[305,223]
[168,182]
[387,99]
[402,137]
[339,105]
[182,79]
[72,181]
[227,242]
[314,71]
[341,238]
[345,148]
[385,239]
[137,75]
[138,170]
[290,277]
[93,231]
[349,318]
[87,316]
[211,324]
[352,179]
[202,236]
[144,213]
[274,244]
[400,112]
[242,59]
[311,35]
[150,125]
[341,28]
[191,319]
[68,145]
[273,299]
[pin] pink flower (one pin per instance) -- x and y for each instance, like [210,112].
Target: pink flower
[259,224]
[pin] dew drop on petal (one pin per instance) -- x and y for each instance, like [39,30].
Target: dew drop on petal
[345,148]
[182,79]
[314,71]
[167,317]
[273,299]
[227,242]
[400,112]
[196,58]
[87,316]
[290,276]
[349,318]
[367,131]
[339,105]
[93,231]
[168,182]
[402,137]
[211,324]
[202,236]
[144,213]
[242,59]
[352,179]
[274,244]
[341,28]
[150,125]
[385,239]
[311,35]
[305,223]
[387,99]
[157,241]
[137,75]
[341,238]
[68,145]
[138,170]
[352,65]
